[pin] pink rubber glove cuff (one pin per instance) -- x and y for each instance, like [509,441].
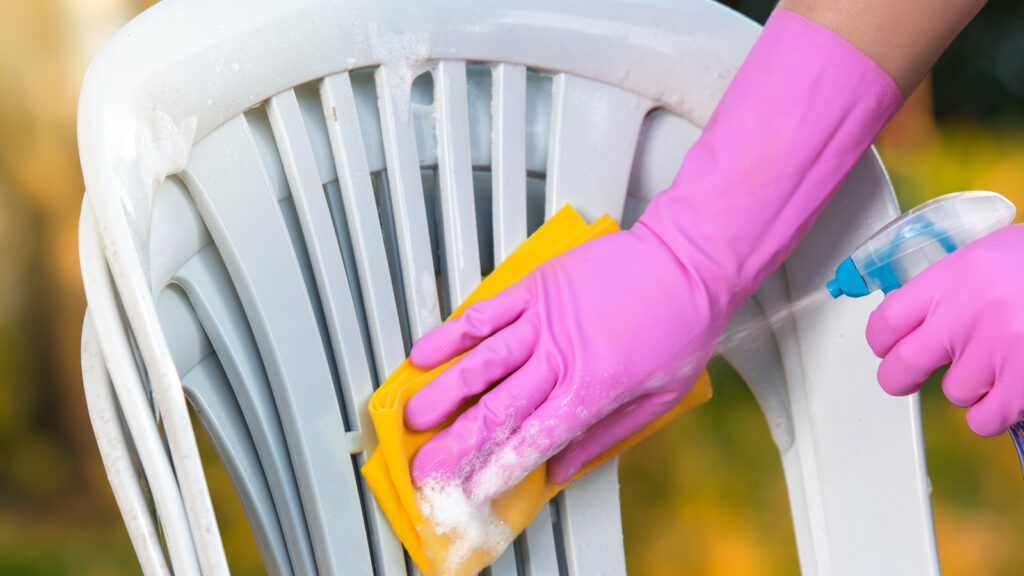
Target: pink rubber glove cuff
[800,112]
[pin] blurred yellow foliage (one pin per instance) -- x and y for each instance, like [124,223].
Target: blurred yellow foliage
[925,160]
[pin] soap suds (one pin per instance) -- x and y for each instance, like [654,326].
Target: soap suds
[163,149]
[152,148]
[429,309]
[403,57]
[511,462]
[502,470]
[455,510]
[469,526]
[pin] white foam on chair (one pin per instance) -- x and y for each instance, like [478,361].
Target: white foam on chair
[469,525]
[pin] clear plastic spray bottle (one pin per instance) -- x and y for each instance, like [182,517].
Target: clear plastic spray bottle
[906,246]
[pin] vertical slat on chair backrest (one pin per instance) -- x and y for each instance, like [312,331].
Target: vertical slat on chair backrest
[537,544]
[455,173]
[591,523]
[324,252]
[594,131]
[332,282]
[227,181]
[407,202]
[209,392]
[363,221]
[508,158]
[208,287]
[364,224]
[506,564]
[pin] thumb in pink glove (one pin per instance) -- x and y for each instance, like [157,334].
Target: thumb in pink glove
[965,309]
[598,342]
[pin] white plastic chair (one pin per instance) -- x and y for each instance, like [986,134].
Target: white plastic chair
[355,167]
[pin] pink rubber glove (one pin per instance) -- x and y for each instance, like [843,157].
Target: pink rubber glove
[602,340]
[965,309]
[595,344]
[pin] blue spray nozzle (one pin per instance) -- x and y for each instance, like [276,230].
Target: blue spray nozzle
[848,281]
[909,244]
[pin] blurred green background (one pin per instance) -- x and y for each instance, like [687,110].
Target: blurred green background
[705,496]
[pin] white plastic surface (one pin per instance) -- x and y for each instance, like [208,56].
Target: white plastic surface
[117,459]
[314,108]
[205,282]
[134,403]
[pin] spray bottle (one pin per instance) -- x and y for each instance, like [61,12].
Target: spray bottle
[906,246]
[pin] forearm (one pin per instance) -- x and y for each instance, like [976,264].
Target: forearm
[816,89]
[801,110]
[904,37]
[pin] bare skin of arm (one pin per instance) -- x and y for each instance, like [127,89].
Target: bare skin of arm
[904,37]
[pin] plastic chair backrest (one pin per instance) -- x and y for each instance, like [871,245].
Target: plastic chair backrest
[351,179]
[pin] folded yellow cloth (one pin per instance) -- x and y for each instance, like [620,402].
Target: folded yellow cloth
[387,470]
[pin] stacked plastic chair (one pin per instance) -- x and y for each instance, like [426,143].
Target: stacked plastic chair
[353,169]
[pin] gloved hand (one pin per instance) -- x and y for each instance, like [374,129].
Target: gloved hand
[603,339]
[965,309]
[592,346]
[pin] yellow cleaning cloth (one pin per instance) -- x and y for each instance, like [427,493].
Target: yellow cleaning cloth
[387,470]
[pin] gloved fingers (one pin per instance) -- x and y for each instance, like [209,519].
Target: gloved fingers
[516,398]
[492,360]
[476,323]
[970,377]
[615,427]
[454,450]
[900,313]
[911,361]
[1000,408]
[543,434]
